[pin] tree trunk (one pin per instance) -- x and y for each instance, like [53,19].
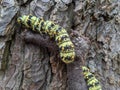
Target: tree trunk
[94,28]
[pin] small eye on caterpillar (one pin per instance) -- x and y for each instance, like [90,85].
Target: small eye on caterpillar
[66,47]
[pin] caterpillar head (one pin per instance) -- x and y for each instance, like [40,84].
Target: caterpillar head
[27,20]
[21,20]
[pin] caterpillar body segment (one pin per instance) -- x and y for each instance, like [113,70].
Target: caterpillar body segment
[92,82]
[62,39]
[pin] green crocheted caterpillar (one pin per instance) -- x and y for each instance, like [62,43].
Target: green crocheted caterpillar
[66,47]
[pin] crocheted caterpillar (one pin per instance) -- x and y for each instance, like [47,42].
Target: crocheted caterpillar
[92,82]
[66,47]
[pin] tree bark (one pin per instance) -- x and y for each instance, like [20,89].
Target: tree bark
[94,28]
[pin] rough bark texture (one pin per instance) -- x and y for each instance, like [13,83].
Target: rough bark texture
[94,27]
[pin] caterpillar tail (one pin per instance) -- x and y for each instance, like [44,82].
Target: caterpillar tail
[92,82]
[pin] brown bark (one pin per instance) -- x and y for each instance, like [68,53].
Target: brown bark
[94,29]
